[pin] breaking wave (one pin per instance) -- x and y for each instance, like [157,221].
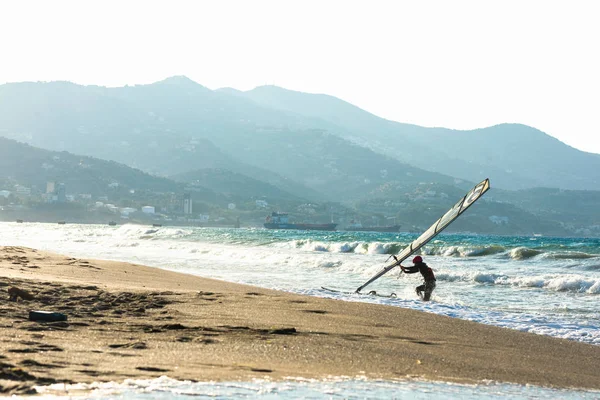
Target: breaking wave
[348,247]
[523,253]
[572,255]
[558,283]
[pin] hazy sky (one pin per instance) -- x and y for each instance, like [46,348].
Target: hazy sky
[456,64]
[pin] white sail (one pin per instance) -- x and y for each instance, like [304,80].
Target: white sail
[471,197]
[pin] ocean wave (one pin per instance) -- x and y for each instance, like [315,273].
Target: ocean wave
[476,277]
[464,251]
[392,248]
[331,247]
[571,255]
[330,264]
[361,387]
[523,253]
[347,247]
[132,231]
[558,283]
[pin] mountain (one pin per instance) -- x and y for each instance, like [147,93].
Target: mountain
[236,185]
[177,125]
[89,179]
[33,167]
[549,211]
[515,156]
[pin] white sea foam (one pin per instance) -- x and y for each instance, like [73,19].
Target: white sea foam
[555,282]
[294,388]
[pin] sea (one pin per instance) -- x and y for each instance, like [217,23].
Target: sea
[543,285]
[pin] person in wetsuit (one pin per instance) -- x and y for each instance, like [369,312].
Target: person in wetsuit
[424,291]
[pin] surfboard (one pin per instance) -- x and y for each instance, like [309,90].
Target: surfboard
[370,293]
[450,216]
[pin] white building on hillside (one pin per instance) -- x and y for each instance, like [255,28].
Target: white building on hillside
[125,211]
[187,204]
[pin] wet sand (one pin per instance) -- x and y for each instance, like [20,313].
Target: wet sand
[131,321]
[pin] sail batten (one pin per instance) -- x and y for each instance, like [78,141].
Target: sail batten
[444,221]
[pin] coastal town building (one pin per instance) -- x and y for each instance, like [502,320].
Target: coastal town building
[187,204]
[261,204]
[22,190]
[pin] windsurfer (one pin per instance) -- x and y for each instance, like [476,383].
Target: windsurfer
[424,290]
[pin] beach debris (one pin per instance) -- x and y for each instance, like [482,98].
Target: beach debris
[10,372]
[14,293]
[152,369]
[18,389]
[172,327]
[46,316]
[132,345]
[283,331]
[18,381]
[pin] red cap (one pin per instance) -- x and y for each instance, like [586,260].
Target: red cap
[417,259]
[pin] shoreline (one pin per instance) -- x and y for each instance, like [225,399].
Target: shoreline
[132,321]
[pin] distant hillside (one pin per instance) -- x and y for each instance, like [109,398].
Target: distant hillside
[235,185]
[572,208]
[30,166]
[211,189]
[514,156]
[414,205]
[177,125]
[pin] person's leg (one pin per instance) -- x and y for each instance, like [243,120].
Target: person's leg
[420,290]
[429,286]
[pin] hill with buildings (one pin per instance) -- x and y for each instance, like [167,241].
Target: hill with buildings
[41,185]
[45,185]
[306,154]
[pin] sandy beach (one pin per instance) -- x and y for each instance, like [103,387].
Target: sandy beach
[127,320]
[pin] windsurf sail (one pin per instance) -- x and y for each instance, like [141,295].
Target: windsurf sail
[471,197]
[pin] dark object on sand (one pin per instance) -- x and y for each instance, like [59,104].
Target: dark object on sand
[283,331]
[112,223]
[61,222]
[46,316]
[14,293]
[19,221]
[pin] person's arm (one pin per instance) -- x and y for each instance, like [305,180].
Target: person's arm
[409,270]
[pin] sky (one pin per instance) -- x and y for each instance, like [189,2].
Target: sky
[456,64]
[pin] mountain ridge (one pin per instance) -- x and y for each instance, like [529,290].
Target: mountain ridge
[178,113]
[381,135]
